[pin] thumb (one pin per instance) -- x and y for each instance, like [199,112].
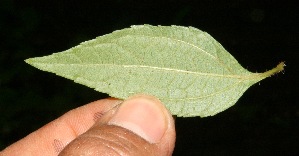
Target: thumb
[141,125]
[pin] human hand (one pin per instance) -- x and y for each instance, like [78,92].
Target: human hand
[139,126]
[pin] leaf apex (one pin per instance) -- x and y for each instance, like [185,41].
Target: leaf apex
[28,61]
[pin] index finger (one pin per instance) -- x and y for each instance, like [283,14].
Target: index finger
[51,138]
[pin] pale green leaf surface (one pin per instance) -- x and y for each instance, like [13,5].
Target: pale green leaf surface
[188,70]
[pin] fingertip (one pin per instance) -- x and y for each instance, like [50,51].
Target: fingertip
[144,115]
[141,125]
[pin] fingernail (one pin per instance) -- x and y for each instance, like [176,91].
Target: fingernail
[144,116]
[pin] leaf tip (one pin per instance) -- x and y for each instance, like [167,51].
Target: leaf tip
[28,61]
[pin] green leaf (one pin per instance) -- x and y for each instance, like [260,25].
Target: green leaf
[187,69]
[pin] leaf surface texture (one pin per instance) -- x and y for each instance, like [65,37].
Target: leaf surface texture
[187,69]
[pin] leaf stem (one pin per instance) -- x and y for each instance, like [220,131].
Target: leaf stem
[277,69]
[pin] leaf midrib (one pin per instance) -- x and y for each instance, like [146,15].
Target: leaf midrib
[251,76]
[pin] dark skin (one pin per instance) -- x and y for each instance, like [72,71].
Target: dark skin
[139,126]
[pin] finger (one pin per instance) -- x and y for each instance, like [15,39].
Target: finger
[140,126]
[51,138]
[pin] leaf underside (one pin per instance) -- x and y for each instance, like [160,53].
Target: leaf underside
[188,70]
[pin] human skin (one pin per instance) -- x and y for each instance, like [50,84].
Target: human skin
[140,126]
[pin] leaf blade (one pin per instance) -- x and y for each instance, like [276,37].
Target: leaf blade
[188,70]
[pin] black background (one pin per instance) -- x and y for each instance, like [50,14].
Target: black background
[259,34]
